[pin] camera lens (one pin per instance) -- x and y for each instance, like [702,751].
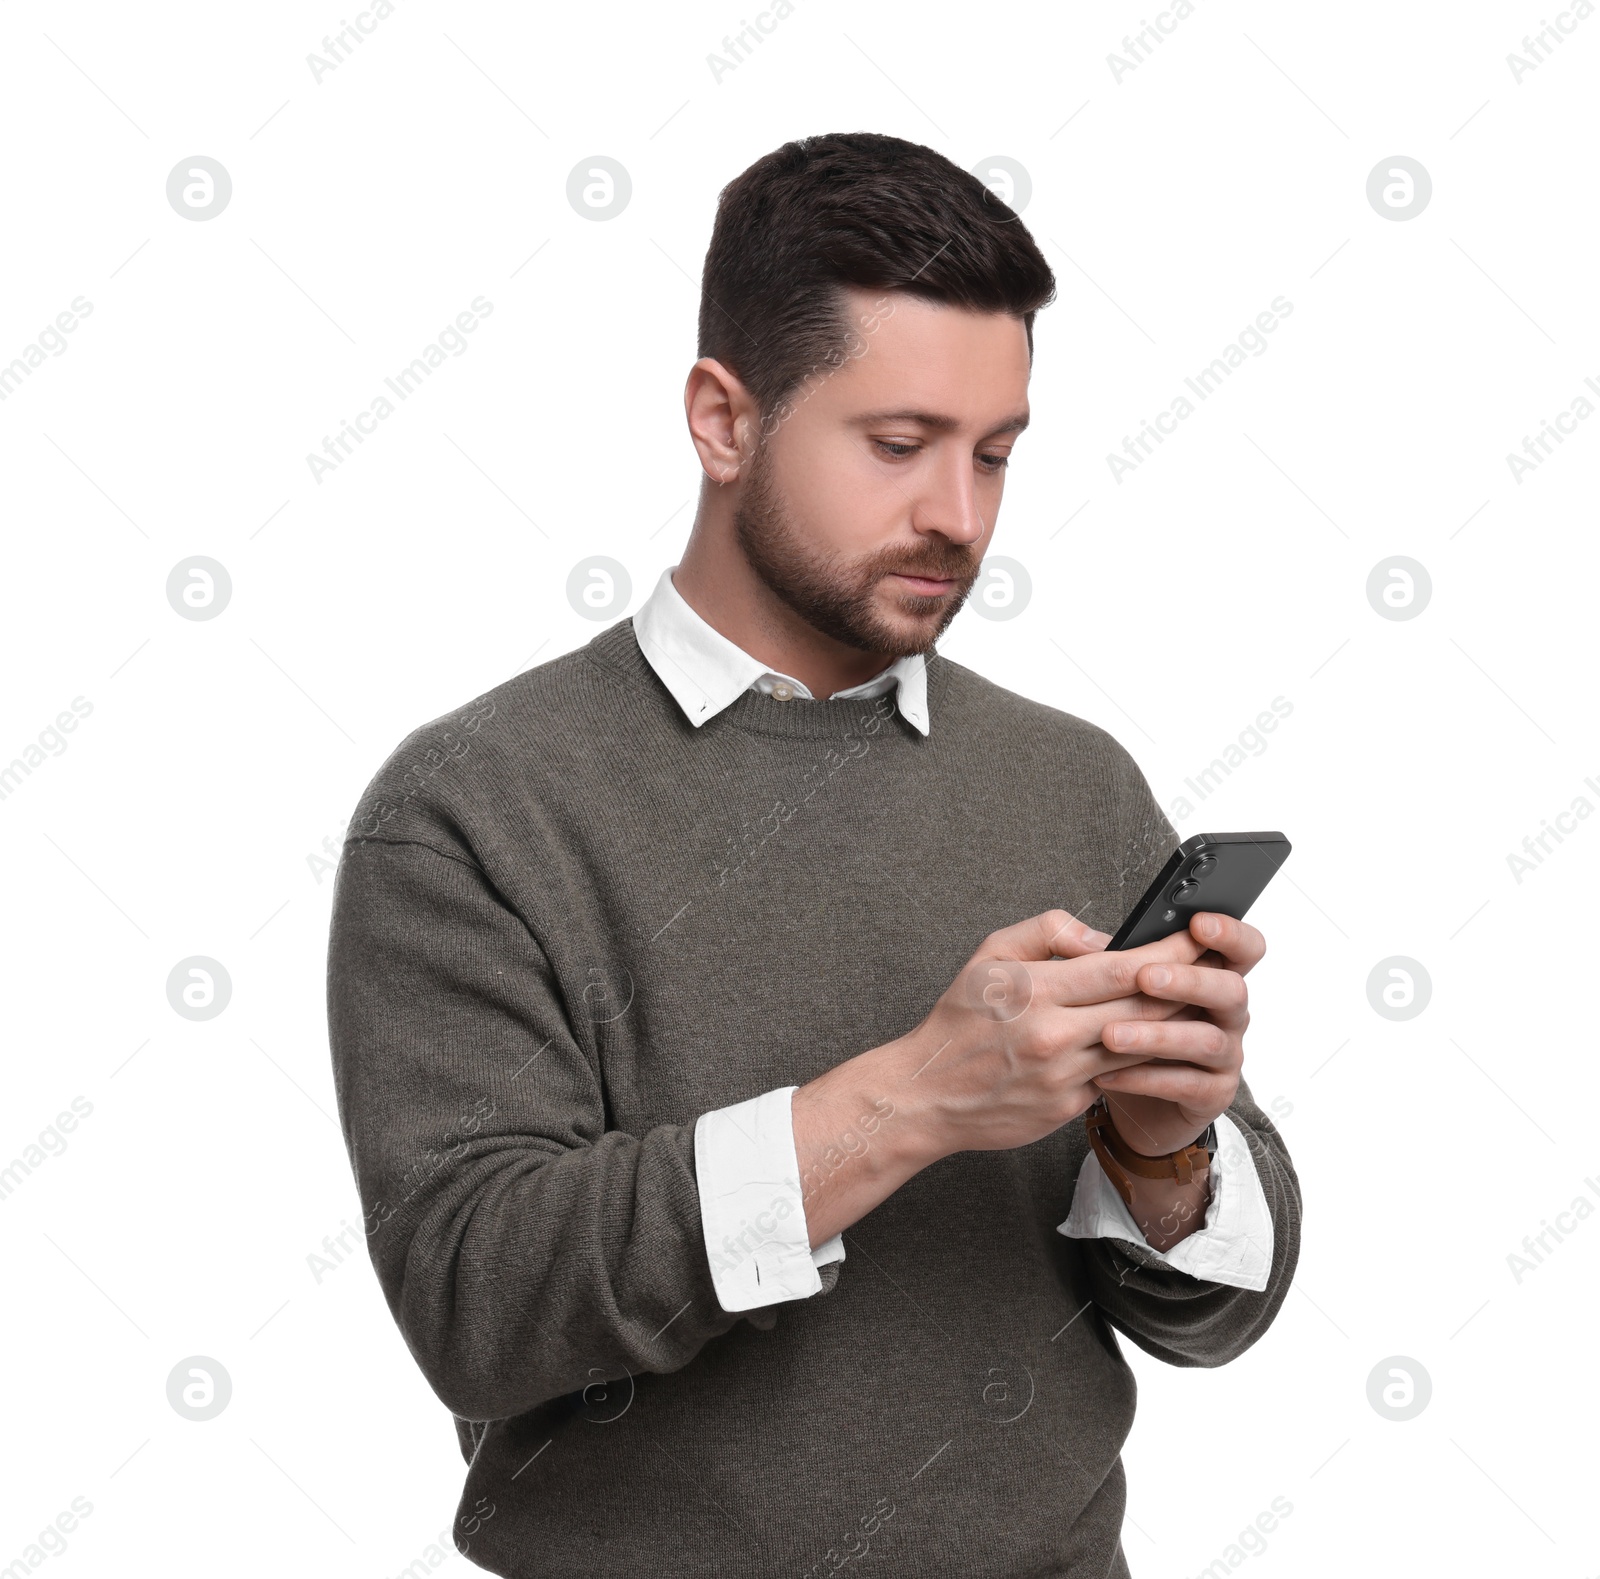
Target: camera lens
[1185,890]
[1206,863]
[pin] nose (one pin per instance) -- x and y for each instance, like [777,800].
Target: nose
[950,506]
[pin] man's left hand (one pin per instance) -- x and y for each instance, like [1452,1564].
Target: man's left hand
[1184,1071]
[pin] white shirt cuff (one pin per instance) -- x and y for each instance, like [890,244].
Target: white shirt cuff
[1234,1246]
[751,1210]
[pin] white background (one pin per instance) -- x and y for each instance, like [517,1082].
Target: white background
[183,816]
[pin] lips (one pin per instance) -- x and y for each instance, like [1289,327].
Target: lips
[928,586]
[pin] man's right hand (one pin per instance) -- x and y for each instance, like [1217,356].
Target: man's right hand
[1008,1052]
[1005,1057]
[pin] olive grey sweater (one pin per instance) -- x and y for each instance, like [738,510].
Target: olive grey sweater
[566,923]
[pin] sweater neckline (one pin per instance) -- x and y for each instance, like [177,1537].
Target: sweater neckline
[617,648]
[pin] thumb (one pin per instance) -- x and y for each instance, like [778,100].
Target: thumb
[1051,934]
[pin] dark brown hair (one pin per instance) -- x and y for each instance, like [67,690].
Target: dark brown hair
[851,208]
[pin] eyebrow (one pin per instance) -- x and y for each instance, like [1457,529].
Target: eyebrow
[938,421]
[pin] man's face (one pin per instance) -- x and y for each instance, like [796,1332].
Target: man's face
[870,505]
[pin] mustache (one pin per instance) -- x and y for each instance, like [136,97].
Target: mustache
[950,564]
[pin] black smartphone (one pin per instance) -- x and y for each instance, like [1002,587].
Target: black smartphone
[1221,872]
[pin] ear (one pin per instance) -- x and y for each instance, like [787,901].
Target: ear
[722,419]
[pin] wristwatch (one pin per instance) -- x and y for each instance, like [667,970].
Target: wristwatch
[1118,1159]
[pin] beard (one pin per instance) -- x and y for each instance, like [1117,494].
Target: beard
[838,596]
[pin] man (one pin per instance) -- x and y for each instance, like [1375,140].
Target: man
[755,935]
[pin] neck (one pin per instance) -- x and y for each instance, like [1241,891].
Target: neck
[716,580]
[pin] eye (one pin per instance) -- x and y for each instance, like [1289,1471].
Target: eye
[995,462]
[895,449]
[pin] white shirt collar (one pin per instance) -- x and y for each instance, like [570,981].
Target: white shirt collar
[705,672]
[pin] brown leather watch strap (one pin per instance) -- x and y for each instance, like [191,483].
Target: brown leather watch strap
[1118,1159]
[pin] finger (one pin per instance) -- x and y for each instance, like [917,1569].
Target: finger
[1075,940]
[1237,941]
[1220,992]
[1183,1084]
[1067,1033]
[1180,945]
[1193,1041]
[1100,976]
[1049,935]
[1070,1028]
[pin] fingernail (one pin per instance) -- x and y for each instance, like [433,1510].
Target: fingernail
[1158,976]
[1210,927]
[1124,1035]
[1098,939]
